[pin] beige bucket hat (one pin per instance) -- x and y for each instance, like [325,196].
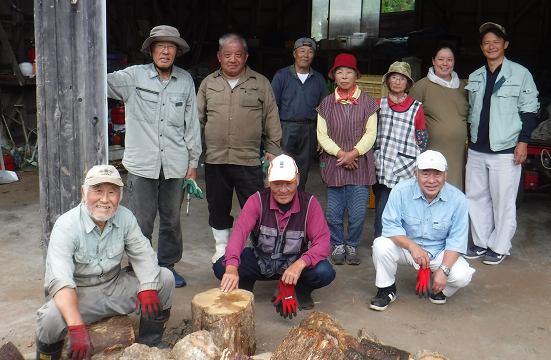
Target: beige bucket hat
[165,33]
[399,67]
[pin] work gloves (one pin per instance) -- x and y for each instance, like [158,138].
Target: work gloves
[148,304]
[265,165]
[193,188]
[424,283]
[80,345]
[286,300]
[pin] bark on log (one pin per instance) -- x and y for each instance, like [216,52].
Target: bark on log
[300,344]
[109,335]
[227,354]
[228,316]
[9,351]
[326,326]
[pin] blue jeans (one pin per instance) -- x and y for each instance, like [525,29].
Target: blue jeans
[145,197]
[381,192]
[249,272]
[355,199]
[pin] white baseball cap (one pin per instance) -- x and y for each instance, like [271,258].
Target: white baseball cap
[282,168]
[103,174]
[431,159]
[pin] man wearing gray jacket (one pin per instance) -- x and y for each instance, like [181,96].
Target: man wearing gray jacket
[163,139]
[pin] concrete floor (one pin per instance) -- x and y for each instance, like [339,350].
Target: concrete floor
[505,313]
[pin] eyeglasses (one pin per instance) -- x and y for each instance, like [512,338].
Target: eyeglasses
[170,47]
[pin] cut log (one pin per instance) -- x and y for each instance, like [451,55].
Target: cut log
[300,344]
[197,346]
[229,317]
[109,335]
[9,351]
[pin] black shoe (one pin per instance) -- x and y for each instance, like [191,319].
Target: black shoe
[151,331]
[439,298]
[49,351]
[384,297]
[304,300]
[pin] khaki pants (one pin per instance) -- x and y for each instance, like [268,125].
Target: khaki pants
[115,297]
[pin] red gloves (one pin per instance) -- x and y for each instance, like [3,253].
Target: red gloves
[151,306]
[424,279]
[285,301]
[79,343]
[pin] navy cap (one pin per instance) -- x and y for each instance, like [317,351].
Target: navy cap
[304,41]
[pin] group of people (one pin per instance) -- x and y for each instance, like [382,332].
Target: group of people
[409,146]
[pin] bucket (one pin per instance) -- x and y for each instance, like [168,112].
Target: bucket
[117,114]
[9,163]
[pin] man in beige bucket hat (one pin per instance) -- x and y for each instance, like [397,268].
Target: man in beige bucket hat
[163,138]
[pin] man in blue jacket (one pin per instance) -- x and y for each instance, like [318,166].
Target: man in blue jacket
[299,90]
[503,104]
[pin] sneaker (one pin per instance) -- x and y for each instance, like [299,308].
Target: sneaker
[337,256]
[352,255]
[384,297]
[493,258]
[179,281]
[475,252]
[439,298]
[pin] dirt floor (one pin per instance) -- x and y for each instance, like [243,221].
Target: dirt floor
[505,313]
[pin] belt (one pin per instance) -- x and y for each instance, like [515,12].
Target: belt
[300,121]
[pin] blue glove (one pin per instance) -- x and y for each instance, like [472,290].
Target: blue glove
[193,188]
[265,165]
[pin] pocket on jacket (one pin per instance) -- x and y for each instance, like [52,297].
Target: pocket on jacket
[176,105]
[146,104]
[293,242]
[250,97]
[214,96]
[267,239]
[508,98]
[404,166]
[412,225]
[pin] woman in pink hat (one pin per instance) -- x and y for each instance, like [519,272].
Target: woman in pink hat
[347,127]
[401,136]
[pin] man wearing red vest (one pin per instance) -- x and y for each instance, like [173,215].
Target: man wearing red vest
[281,221]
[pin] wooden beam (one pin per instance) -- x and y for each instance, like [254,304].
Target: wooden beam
[522,13]
[11,57]
[71,101]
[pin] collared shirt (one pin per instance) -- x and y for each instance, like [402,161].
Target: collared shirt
[235,120]
[79,254]
[513,93]
[366,141]
[296,100]
[317,230]
[442,224]
[162,124]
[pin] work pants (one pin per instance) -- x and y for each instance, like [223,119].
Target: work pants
[220,181]
[491,186]
[355,199]
[249,272]
[381,192]
[145,198]
[299,141]
[387,256]
[117,296]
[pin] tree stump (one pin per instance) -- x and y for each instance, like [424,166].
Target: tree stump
[109,335]
[229,317]
[10,352]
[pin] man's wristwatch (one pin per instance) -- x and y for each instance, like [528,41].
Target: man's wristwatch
[446,270]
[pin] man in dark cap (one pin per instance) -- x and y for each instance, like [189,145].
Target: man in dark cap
[298,91]
[163,139]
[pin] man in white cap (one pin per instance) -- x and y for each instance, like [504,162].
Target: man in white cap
[84,281]
[425,225]
[163,139]
[504,101]
[298,91]
[281,220]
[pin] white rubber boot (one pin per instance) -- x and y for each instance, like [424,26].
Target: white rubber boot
[221,237]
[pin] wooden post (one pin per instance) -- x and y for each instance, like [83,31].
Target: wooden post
[71,94]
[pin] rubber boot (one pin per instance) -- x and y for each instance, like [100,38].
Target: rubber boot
[221,237]
[48,351]
[151,331]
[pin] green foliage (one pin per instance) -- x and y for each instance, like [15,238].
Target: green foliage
[388,6]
